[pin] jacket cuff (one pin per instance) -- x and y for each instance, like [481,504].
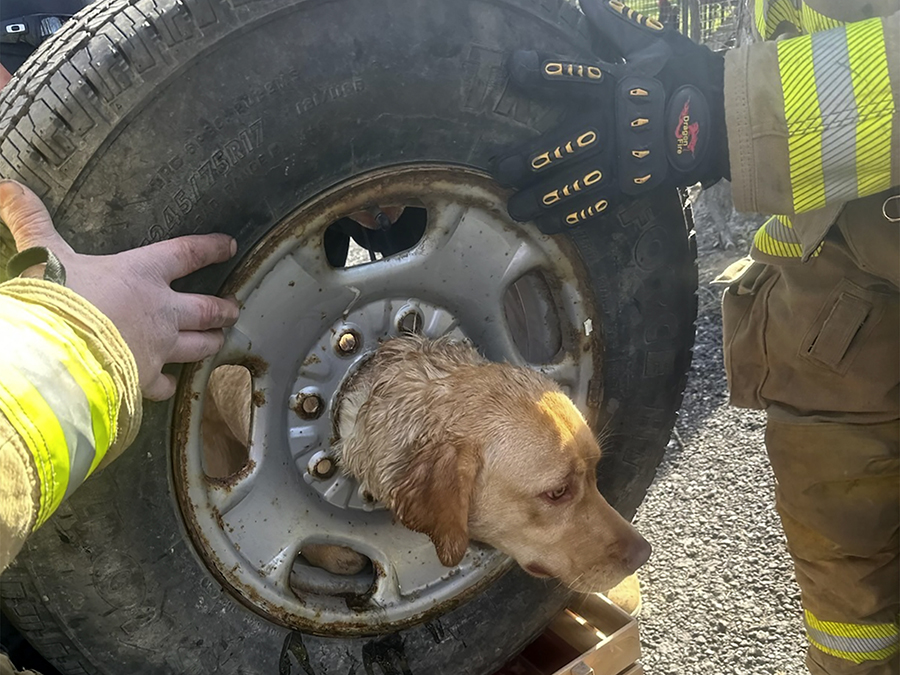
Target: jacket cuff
[737,122]
[20,493]
[757,131]
[105,343]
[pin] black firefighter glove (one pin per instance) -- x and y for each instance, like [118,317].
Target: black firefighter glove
[655,120]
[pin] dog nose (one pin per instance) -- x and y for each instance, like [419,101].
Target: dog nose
[637,552]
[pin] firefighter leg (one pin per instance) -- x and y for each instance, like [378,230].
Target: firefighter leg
[838,494]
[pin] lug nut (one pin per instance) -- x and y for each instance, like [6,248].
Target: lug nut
[348,343]
[324,468]
[309,406]
[411,322]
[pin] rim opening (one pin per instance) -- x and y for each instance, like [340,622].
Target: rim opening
[349,243]
[331,569]
[411,322]
[225,424]
[533,318]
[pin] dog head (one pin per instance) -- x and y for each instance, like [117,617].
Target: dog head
[502,456]
[538,500]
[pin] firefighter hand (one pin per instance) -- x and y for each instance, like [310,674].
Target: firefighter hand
[132,288]
[655,119]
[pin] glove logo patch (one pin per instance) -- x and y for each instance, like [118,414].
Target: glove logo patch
[687,120]
[687,132]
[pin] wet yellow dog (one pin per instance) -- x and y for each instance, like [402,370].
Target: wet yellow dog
[462,449]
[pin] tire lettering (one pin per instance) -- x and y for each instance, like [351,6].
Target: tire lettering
[238,150]
[329,94]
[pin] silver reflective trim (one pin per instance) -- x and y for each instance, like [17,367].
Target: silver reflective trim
[854,645]
[779,228]
[64,396]
[837,107]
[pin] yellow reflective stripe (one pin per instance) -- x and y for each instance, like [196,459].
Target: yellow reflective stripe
[812,21]
[770,14]
[853,641]
[102,397]
[839,112]
[96,384]
[38,426]
[776,238]
[804,122]
[57,396]
[864,630]
[874,104]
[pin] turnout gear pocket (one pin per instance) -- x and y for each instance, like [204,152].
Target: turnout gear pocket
[821,337]
[839,354]
[744,319]
[842,326]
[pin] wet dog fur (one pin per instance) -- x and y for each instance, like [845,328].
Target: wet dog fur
[462,449]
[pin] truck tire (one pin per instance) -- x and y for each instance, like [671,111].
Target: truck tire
[147,119]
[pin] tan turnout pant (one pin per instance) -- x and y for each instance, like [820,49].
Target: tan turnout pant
[817,345]
[7,668]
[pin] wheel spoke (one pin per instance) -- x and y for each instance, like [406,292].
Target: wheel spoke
[481,260]
[387,587]
[236,348]
[278,569]
[302,441]
[223,498]
[489,331]
[263,524]
[564,372]
[287,302]
[405,561]
[441,323]
[465,266]
[407,571]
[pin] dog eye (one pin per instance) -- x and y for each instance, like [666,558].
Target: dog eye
[558,493]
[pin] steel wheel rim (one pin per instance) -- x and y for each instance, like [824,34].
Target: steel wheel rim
[459,277]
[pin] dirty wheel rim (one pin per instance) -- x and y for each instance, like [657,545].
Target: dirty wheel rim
[517,295]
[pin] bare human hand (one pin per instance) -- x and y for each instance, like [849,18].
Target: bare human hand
[133,289]
[5,77]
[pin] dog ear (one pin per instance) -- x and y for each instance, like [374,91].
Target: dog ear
[434,496]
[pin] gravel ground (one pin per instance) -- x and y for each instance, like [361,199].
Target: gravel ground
[719,594]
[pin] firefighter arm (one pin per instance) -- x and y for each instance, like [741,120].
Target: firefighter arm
[812,120]
[69,402]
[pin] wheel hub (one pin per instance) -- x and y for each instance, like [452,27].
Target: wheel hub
[327,367]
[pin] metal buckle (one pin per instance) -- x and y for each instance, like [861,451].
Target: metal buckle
[884,209]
